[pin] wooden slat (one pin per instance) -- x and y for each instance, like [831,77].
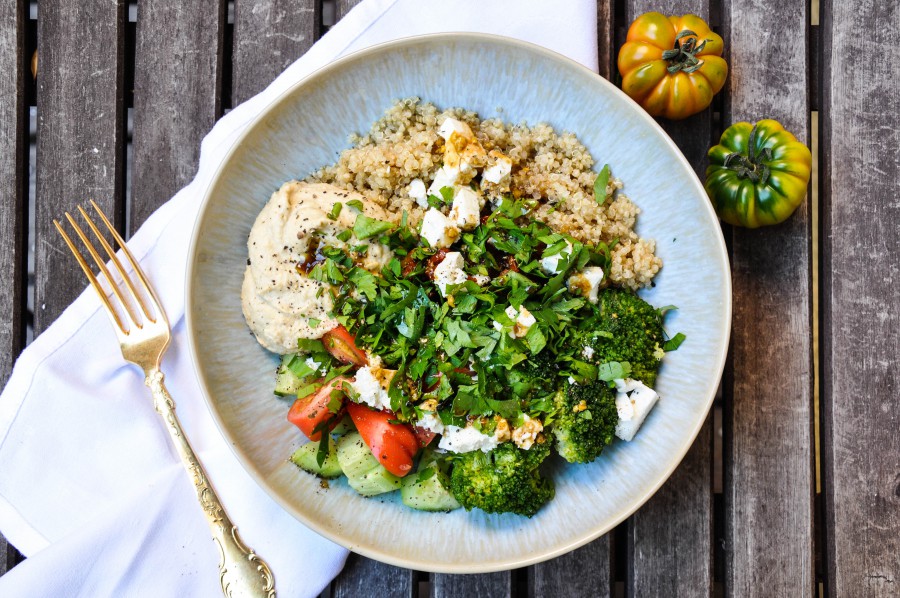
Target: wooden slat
[343,7]
[583,572]
[80,145]
[178,71]
[860,277]
[268,36]
[606,38]
[13,180]
[769,481]
[487,585]
[14,79]
[670,537]
[365,577]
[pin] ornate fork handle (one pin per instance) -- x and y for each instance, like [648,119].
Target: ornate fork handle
[241,571]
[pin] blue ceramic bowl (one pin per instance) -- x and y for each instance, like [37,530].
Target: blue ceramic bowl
[305,129]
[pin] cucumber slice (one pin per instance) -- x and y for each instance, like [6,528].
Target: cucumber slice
[305,458]
[429,493]
[344,426]
[287,383]
[364,473]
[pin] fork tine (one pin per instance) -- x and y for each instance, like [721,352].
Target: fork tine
[134,264]
[90,275]
[100,263]
[115,260]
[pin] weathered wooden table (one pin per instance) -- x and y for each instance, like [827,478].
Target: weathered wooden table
[793,486]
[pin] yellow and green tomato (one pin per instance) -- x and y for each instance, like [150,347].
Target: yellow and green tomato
[757,174]
[672,66]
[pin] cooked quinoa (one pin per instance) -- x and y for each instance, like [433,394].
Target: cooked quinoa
[555,169]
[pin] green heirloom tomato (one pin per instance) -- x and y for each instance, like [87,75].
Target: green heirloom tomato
[758,174]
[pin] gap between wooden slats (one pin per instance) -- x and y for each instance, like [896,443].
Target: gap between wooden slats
[860,273]
[768,420]
[15,79]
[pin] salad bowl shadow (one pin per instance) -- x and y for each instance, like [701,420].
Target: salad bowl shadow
[306,128]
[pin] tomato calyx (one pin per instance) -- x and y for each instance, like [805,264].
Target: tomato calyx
[752,166]
[683,57]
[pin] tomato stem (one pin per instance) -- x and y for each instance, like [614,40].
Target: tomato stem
[683,57]
[752,166]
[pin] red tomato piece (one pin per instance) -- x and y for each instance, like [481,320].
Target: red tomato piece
[311,413]
[434,261]
[341,344]
[423,436]
[393,444]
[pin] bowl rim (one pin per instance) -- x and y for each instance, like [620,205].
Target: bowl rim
[254,472]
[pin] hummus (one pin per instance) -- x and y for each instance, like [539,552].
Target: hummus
[280,303]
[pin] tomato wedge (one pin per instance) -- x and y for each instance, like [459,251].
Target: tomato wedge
[341,344]
[423,436]
[393,444]
[311,413]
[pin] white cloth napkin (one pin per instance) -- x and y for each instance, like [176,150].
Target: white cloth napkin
[90,489]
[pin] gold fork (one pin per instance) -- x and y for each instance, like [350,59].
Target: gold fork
[144,338]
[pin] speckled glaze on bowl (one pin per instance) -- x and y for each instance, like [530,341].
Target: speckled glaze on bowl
[306,128]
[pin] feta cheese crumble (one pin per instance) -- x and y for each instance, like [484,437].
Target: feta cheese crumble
[587,352]
[418,193]
[430,421]
[522,321]
[451,126]
[587,282]
[499,168]
[450,271]
[438,230]
[634,400]
[466,210]
[444,177]
[370,383]
[466,440]
[550,264]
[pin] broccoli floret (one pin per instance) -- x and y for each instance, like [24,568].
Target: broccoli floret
[627,329]
[534,377]
[585,420]
[505,480]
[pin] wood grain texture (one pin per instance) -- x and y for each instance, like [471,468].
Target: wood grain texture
[178,70]
[861,273]
[582,572]
[14,70]
[769,476]
[268,36]
[670,537]
[343,7]
[483,585]
[13,182]
[365,577]
[80,145]
[606,39]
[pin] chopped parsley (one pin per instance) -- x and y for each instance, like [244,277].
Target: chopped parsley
[366,227]
[600,184]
